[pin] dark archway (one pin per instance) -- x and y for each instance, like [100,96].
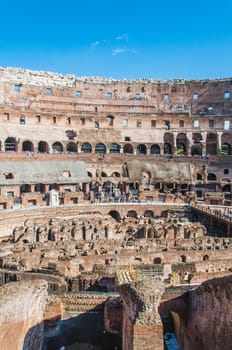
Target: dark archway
[128,148]
[148,214]
[132,214]
[167,148]
[40,188]
[115,214]
[86,148]
[155,149]
[100,148]
[211,144]
[43,147]
[211,177]
[115,148]
[25,188]
[27,146]
[72,147]
[11,144]
[142,149]
[225,149]
[57,147]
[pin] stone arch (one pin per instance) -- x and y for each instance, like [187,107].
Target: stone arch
[211,143]
[155,149]
[28,146]
[86,148]
[57,147]
[43,147]
[211,177]
[115,148]
[148,214]
[197,146]
[168,143]
[100,148]
[225,149]
[128,148]
[11,144]
[54,187]
[167,148]
[40,188]
[226,187]
[182,143]
[142,149]
[132,214]
[72,147]
[115,174]
[196,150]
[226,142]
[115,215]
[25,188]
[103,174]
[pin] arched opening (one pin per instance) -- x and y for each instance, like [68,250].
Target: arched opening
[180,149]
[115,174]
[54,187]
[100,148]
[226,149]
[205,257]
[43,147]
[132,214]
[182,143]
[40,188]
[27,146]
[226,188]
[142,149]
[148,214]
[168,143]
[57,147]
[157,261]
[115,214]
[11,145]
[86,148]
[115,148]
[25,188]
[72,147]
[211,177]
[199,176]
[211,144]
[89,174]
[155,149]
[196,150]
[128,148]
[167,148]
[103,174]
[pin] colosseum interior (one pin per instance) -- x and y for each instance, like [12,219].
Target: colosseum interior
[116,213]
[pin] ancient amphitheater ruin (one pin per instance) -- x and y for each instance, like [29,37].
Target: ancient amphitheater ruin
[115,213]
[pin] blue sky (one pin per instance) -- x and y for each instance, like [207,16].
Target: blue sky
[160,39]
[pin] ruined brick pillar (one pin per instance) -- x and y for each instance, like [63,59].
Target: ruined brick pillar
[142,327]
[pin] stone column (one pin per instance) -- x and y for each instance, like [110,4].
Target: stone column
[142,327]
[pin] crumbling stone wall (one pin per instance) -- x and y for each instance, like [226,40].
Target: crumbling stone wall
[21,315]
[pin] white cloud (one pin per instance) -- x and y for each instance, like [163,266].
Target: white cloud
[95,44]
[119,51]
[122,37]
